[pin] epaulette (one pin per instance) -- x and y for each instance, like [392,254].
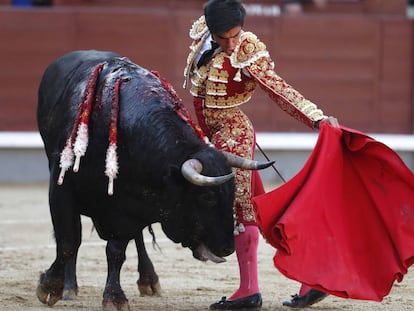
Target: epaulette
[248,51]
[199,28]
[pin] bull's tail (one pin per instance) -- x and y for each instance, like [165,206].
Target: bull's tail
[154,241]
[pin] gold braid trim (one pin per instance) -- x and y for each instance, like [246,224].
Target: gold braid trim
[253,55]
[286,97]
[199,28]
[197,33]
[248,51]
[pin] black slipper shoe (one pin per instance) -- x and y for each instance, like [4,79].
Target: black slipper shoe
[253,302]
[311,297]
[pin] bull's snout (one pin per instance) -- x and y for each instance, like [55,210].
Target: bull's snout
[203,253]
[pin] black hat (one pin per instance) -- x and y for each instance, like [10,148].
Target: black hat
[223,15]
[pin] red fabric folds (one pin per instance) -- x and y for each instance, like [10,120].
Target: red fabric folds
[345,223]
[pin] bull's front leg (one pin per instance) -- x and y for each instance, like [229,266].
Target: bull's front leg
[50,287]
[113,296]
[148,282]
[67,229]
[70,290]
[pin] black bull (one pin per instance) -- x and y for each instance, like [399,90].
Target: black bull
[119,153]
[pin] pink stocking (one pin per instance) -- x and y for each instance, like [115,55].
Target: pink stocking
[246,251]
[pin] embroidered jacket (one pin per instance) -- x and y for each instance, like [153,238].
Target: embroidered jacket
[229,81]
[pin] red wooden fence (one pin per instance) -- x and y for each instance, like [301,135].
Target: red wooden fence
[357,65]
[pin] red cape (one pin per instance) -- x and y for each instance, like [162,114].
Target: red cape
[345,223]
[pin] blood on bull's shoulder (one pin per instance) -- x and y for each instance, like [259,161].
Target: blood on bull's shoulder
[120,153]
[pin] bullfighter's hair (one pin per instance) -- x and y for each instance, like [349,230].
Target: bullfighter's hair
[223,15]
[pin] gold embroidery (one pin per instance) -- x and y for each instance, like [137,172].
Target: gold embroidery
[194,48]
[284,95]
[216,89]
[198,32]
[198,29]
[212,83]
[233,132]
[216,75]
[224,84]
[249,50]
[228,102]
[218,61]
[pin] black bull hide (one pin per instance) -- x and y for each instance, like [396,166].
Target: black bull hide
[127,106]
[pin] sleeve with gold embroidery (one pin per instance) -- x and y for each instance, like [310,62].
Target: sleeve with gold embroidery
[253,56]
[197,33]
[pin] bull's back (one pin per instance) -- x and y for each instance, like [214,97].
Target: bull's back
[143,112]
[56,109]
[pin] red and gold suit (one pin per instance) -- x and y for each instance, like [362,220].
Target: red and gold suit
[221,86]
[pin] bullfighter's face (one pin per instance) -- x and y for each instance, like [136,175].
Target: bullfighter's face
[228,40]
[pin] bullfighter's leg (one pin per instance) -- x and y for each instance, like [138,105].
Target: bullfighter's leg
[246,250]
[67,229]
[148,282]
[113,296]
[248,296]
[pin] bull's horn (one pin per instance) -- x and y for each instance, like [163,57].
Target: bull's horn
[191,171]
[240,162]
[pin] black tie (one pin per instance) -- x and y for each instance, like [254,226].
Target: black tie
[206,56]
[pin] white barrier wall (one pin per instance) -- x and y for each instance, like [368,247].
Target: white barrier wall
[22,158]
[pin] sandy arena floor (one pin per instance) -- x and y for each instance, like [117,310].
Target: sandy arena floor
[27,248]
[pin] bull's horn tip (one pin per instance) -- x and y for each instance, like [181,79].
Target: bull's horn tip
[267,164]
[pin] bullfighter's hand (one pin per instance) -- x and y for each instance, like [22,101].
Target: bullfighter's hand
[332,121]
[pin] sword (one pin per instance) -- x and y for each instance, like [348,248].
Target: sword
[273,166]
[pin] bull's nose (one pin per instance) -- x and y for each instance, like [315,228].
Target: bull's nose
[226,251]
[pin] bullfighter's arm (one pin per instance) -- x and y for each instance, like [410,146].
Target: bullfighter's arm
[253,57]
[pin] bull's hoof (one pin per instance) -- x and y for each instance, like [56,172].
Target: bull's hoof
[153,289]
[41,294]
[49,292]
[115,305]
[70,294]
[46,297]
